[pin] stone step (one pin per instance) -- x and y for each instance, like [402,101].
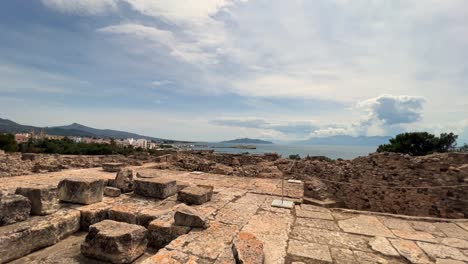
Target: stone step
[19,239]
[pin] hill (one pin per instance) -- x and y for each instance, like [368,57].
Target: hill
[75,129]
[247,141]
[346,140]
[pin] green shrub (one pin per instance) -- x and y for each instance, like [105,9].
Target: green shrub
[295,157]
[420,143]
[8,143]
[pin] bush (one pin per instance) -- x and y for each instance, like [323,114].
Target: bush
[295,157]
[8,143]
[420,143]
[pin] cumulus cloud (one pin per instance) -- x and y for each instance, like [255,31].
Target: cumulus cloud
[391,109]
[82,7]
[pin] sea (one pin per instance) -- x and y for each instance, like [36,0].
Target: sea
[330,151]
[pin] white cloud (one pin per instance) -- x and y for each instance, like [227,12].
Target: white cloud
[182,50]
[392,109]
[82,7]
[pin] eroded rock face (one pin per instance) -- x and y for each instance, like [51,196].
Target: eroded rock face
[115,242]
[81,190]
[14,208]
[186,216]
[124,180]
[195,195]
[247,249]
[44,200]
[112,191]
[155,187]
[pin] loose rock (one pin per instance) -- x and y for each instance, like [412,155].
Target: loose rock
[195,195]
[124,180]
[112,191]
[186,216]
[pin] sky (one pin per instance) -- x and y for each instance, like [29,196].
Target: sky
[220,69]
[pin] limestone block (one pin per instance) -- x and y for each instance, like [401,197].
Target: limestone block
[44,199]
[14,208]
[127,213]
[112,166]
[112,191]
[186,216]
[124,180]
[195,195]
[155,187]
[92,214]
[163,230]
[115,242]
[19,239]
[248,249]
[81,190]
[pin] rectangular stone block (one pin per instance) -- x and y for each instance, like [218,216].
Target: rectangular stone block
[125,213]
[20,239]
[112,166]
[163,230]
[112,191]
[44,199]
[195,195]
[92,214]
[81,190]
[115,242]
[155,187]
[14,208]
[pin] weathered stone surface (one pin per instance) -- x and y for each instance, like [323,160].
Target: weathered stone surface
[452,230]
[127,213]
[115,242]
[455,242]
[313,214]
[449,261]
[317,223]
[14,208]
[172,257]
[112,166]
[362,257]
[342,255]
[394,223]
[21,238]
[112,191]
[93,213]
[415,235]
[146,216]
[155,187]
[44,199]
[365,225]
[124,180]
[248,249]
[381,245]
[163,230]
[194,195]
[309,252]
[186,216]
[236,213]
[81,190]
[331,238]
[410,251]
[441,251]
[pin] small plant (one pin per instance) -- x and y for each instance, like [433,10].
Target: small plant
[295,157]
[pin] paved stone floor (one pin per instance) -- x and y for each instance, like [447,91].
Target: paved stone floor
[305,234]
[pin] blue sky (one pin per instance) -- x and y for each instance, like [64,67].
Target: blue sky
[221,69]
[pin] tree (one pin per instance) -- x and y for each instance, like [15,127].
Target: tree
[420,143]
[8,143]
[295,157]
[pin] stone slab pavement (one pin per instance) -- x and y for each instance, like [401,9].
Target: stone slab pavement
[305,234]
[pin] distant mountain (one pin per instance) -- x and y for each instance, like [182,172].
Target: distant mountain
[8,126]
[247,141]
[346,140]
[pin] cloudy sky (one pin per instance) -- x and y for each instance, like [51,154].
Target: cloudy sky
[222,69]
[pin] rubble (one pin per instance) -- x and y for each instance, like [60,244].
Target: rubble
[14,208]
[44,199]
[115,242]
[81,190]
[112,191]
[124,180]
[248,249]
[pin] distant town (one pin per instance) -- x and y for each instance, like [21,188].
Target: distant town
[133,142]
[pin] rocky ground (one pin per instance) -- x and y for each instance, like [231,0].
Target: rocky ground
[304,234]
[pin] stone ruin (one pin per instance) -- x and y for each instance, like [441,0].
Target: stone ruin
[147,215]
